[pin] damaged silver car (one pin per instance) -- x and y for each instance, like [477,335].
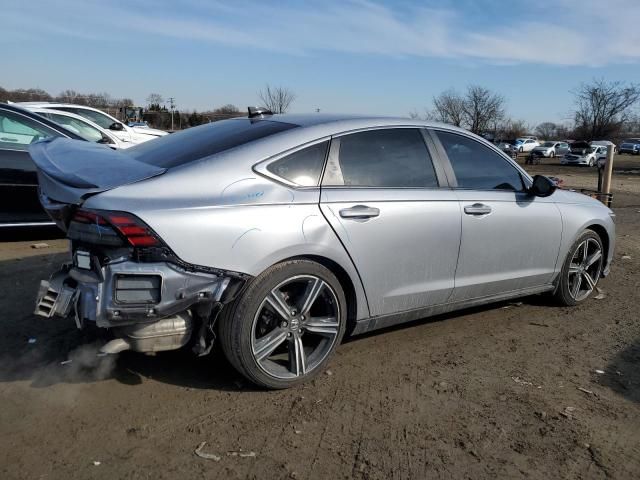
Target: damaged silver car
[278,234]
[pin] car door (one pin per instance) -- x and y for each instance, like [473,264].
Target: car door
[510,239]
[18,180]
[382,194]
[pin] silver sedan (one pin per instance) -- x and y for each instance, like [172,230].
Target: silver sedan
[275,235]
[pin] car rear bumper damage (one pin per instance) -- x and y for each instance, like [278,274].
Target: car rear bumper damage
[149,307]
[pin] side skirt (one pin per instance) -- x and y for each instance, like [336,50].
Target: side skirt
[382,321]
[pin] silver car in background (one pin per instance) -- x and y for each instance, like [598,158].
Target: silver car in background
[276,234]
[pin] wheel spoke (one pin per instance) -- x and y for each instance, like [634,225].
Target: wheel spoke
[297,357]
[278,304]
[573,269]
[314,288]
[265,346]
[585,249]
[322,325]
[576,286]
[593,258]
[589,280]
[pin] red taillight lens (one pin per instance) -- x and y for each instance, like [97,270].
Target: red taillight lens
[133,230]
[136,232]
[84,216]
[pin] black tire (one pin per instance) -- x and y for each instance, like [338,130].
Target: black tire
[236,326]
[562,293]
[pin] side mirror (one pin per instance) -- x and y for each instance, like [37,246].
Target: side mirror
[542,186]
[116,126]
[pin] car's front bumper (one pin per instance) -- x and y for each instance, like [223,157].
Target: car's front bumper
[575,161]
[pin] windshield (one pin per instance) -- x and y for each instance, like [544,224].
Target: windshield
[631,140]
[199,142]
[548,144]
[102,119]
[83,129]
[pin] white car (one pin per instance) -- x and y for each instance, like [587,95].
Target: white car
[605,144]
[88,130]
[584,154]
[122,131]
[525,144]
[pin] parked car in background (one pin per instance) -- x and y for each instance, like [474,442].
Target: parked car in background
[604,143]
[281,232]
[631,146]
[19,128]
[139,124]
[582,153]
[507,147]
[124,132]
[551,149]
[88,130]
[525,144]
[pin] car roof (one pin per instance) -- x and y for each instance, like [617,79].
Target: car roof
[337,122]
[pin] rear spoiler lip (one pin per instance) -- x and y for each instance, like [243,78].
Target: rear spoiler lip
[71,170]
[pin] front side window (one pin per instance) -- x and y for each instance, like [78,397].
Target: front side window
[102,119]
[86,131]
[17,132]
[302,167]
[478,167]
[389,158]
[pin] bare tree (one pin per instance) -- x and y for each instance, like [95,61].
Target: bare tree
[448,107]
[277,99]
[510,129]
[547,130]
[154,99]
[603,107]
[227,109]
[482,108]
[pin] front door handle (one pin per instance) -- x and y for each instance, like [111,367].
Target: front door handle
[359,211]
[477,209]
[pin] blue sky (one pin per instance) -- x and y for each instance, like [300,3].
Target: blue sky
[354,56]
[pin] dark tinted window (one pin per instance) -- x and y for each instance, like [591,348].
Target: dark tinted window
[383,158]
[199,142]
[302,167]
[477,166]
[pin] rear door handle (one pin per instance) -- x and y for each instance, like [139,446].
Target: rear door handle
[359,211]
[477,209]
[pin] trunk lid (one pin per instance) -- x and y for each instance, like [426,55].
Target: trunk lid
[70,171]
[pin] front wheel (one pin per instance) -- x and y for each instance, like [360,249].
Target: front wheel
[286,325]
[581,270]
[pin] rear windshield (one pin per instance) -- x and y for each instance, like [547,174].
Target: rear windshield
[199,142]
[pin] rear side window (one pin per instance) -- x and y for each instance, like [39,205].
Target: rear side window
[302,167]
[17,132]
[391,158]
[199,142]
[478,167]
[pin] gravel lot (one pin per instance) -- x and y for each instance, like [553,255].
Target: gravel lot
[510,391]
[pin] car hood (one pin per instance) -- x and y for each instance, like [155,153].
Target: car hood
[149,131]
[70,170]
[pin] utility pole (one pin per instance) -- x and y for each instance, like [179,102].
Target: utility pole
[172,105]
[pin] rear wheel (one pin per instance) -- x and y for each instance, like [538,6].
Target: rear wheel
[286,325]
[581,270]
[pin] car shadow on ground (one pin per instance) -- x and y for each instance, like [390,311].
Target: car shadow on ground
[622,374]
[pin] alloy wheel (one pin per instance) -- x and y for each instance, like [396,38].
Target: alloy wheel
[584,269]
[295,327]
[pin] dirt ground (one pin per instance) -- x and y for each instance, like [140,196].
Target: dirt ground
[514,390]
